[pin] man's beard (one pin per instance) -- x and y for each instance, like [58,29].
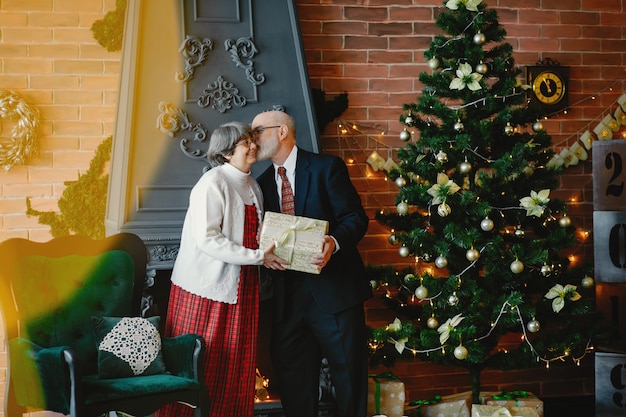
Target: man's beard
[268,149]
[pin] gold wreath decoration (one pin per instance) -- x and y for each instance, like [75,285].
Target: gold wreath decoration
[23,145]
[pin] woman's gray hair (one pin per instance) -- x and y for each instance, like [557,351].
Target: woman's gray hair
[224,139]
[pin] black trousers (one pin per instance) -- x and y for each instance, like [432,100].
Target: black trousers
[305,335]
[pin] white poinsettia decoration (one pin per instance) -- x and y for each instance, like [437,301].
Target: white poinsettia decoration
[469,4]
[559,293]
[395,326]
[442,189]
[445,329]
[536,203]
[466,78]
[400,344]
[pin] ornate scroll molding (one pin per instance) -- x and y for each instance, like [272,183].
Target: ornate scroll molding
[195,51]
[242,49]
[221,95]
[171,120]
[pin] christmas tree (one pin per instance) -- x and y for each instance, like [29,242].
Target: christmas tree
[476,212]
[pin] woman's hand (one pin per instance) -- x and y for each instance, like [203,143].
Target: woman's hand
[272,261]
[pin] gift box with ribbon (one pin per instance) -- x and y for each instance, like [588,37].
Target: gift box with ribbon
[385,395]
[297,239]
[508,399]
[455,405]
[481,410]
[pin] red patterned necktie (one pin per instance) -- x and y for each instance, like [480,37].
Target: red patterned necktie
[287,206]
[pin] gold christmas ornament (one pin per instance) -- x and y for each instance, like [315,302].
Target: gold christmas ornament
[23,145]
[432,322]
[517,266]
[472,254]
[587,282]
[565,221]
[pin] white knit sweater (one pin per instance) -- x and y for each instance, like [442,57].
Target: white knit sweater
[211,251]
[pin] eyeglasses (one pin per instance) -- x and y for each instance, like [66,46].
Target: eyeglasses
[247,142]
[259,129]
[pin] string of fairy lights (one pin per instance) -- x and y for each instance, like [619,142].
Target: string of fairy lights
[506,307]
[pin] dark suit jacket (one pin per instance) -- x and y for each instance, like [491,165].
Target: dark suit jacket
[324,191]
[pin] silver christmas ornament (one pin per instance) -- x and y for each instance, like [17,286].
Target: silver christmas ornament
[441,261]
[459,126]
[546,270]
[408,120]
[374,284]
[517,266]
[443,210]
[400,182]
[421,292]
[460,352]
[482,68]
[519,232]
[465,167]
[432,322]
[486,224]
[472,254]
[393,239]
[587,282]
[479,38]
[403,208]
[533,326]
[442,157]
[405,135]
[403,251]
[433,63]
[453,299]
[537,126]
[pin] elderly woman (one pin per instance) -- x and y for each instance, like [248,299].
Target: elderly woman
[216,275]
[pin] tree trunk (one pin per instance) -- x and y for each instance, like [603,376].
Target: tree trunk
[475,375]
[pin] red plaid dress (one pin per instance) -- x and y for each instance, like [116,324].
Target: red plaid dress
[230,331]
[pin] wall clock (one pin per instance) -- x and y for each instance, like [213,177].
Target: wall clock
[549,86]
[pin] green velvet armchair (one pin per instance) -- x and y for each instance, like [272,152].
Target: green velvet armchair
[55,297]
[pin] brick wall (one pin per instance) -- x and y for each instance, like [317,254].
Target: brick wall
[368,48]
[49,57]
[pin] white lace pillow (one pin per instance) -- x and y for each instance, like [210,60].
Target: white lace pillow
[128,346]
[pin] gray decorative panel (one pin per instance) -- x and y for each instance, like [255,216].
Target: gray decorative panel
[609,175]
[187,67]
[609,241]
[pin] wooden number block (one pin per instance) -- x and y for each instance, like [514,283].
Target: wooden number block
[610,382]
[609,175]
[611,303]
[609,241]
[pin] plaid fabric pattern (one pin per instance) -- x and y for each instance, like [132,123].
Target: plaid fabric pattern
[287,202]
[230,331]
